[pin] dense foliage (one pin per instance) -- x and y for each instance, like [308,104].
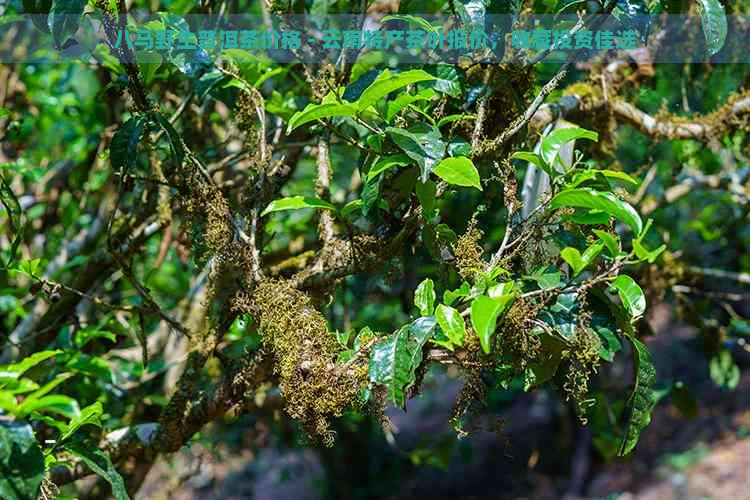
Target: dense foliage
[188,241]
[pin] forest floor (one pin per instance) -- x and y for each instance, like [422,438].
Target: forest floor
[677,458]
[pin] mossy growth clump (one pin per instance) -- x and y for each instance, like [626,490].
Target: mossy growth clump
[583,361]
[516,341]
[314,387]
[207,214]
[468,251]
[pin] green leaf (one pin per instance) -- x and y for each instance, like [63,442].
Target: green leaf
[452,324]
[609,342]
[149,62]
[413,20]
[459,171]
[546,278]
[606,202]
[21,462]
[593,174]
[630,294]
[8,402]
[386,163]
[642,399]
[644,253]
[371,194]
[610,241]
[55,403]
[390,364]
[40,9]
[387,82]
[562,316]
[544,368]
[579,262]
[406,100]
[484,314]
[426,192]
[424,297]
[17,369]
[63,19]
[426,148]
[420,331]
[351,208]
[49,386]
[123,150]
[89,333]
[296,202]
[714,23]
[589,217]
[555,140]
[530,157]
[318,112]
[450,296]
[17,386]
[641,251]
[98,461]
[91,415]
[173,138]
[30,266]
[455,118]
[534,159]
[13,214]
[364,336]
[501,289]
[393,361]
[92,366]
[724,372]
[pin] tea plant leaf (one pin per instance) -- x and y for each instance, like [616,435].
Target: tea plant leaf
[319,112]
[387,82]
[99,462]
[452,324]
[13,214]
[555,140]
[458,171]
[484,314]
[386,163]
[714,22]
[606,202]
[642,399]
[579,262]
[21,462]
[296,202]
[90,415]
[424,297]
[123,150]
[63,19]
[631,295]
[393,360]
[426,148]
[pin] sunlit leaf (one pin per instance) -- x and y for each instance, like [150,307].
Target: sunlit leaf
[451,323]
[424,297]
[630,294]
[458,171]
[606,202]
[484,314]
[714,22]
[297,202]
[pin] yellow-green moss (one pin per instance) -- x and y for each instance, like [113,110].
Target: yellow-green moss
[468,251]
[313,386]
